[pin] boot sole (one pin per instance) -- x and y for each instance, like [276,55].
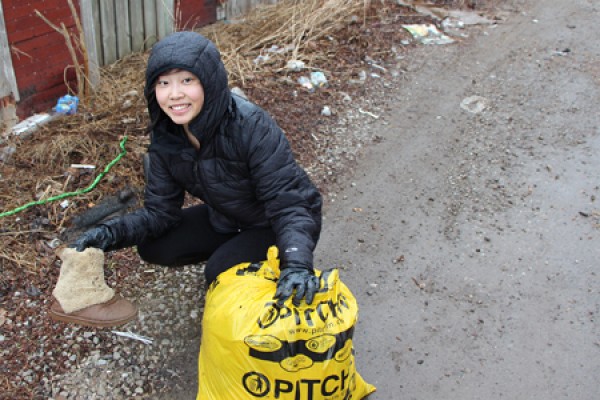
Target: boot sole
[59,315]
[87,322]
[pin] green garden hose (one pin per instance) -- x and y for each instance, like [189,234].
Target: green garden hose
[71,194]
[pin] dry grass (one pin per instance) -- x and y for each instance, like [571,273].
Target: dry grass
[291,25]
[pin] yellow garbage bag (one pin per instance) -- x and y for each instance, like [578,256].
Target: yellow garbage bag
[253,348]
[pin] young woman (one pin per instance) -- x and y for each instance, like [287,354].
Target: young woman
[230,154]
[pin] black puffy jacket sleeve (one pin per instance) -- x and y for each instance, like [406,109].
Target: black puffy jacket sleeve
[163,199]
[292,203]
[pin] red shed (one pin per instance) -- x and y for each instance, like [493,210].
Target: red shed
[35,60]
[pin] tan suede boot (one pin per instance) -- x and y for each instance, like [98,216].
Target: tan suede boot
[83,297]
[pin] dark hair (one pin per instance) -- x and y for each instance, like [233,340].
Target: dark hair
[152,102]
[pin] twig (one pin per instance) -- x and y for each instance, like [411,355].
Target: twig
[82,47]
[81,74]
[17,261]
[420,285]
[17,233]
[18,52]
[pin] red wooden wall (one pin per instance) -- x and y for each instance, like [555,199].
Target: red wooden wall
[195,13]
[40,55]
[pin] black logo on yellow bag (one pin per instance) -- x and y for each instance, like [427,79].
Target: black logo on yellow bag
[256,384]
[297,355]
[263,342]
[330,310]
[341,385]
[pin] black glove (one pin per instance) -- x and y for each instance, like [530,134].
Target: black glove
[299,279]
[100,237]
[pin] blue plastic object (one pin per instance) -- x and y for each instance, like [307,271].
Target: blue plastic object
[67,105]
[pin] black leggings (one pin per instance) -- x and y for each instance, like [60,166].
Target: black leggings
[194,240]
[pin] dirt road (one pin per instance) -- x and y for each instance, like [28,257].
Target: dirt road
[472,241]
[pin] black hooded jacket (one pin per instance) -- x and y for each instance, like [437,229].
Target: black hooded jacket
[244,171]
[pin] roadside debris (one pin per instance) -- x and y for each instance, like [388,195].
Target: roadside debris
[134,336]
[326,111]
[295,65]
[317,80]
[474,104]
[67,105]
[31,124]
[398,259]
[563,52]
[421,285]
[427,34]
[370,114]
[306,83]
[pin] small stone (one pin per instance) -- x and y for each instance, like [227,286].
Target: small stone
[32,291]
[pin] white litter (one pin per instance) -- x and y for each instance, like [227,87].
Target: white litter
[474,104]
[30,124]
[83,166]
[360,110]
[427,34]
[134,336]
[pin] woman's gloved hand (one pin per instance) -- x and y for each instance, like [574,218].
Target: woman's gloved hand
[100,237]
[296,278]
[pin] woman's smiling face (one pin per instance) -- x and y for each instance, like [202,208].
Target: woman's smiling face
[180,95]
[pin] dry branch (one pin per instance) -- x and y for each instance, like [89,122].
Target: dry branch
[81,71]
